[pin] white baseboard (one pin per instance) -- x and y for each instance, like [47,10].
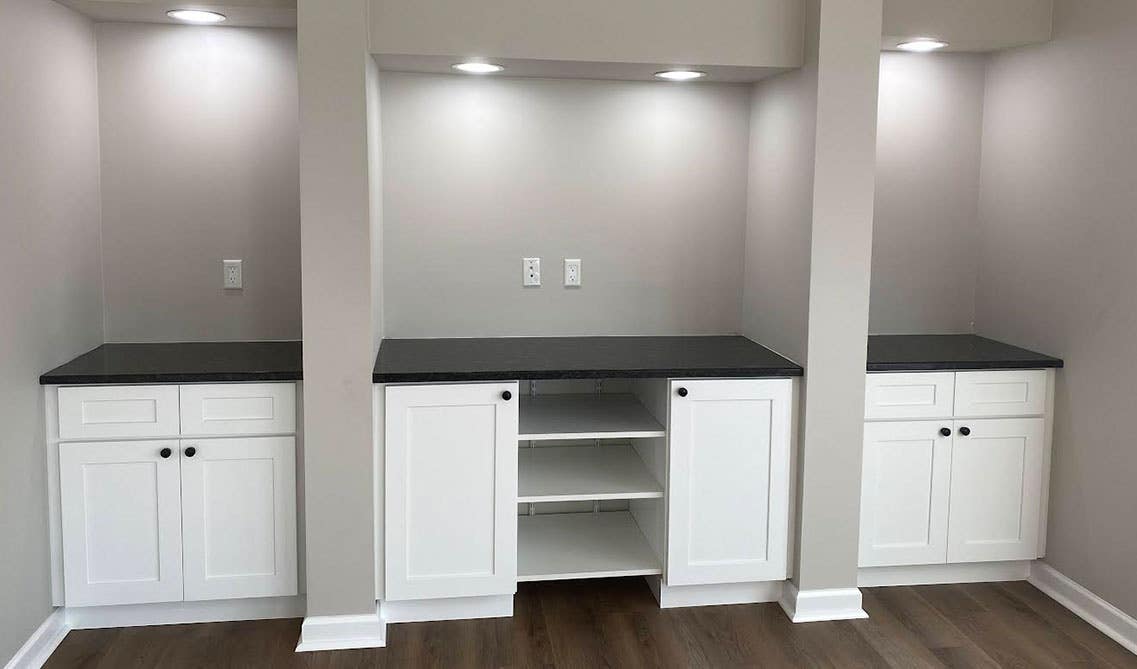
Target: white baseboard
[932,574]
[181,613]
[453,608]
[366,630]
[1110,620]
[42,643]
[809,606]
[716,594]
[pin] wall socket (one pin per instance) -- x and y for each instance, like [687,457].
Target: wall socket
[572,272]
[232,274]
[530,271]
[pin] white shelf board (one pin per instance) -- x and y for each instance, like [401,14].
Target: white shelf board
[582,473]
[562,546]
[544,417]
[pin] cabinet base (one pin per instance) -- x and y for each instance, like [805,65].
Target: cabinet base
[931,574]
[715,594]
[810,606]
[365,630]
[452,608]
[181,613]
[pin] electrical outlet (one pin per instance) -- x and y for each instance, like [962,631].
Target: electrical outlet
[531,271]
[232,274]
[572,272]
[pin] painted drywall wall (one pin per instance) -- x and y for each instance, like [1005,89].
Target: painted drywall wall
[199,163]
[969,25]
[50,284]
[926,225]
[779,218]
[677,32]
[645,182]
[335,216]
[1057,269]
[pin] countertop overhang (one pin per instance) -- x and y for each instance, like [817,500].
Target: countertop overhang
[189,362]
[510,358]
[917,353]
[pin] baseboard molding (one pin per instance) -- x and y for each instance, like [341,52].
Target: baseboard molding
[1107,618]
[454,608]
[182,613]
[366,630]
[810,606]
[42,643]
[933,574]
[716,594]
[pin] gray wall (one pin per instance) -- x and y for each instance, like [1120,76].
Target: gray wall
[199,163]
[644,181]
[50,286]
[927,196]
[1057,272]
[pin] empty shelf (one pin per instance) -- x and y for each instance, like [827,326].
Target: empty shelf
[565,546]
[577,473]
[585,417]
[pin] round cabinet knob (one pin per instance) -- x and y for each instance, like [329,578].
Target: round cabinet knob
[190,452]
[682,392]
[165,452]
[945,432]
[507,396]
[965,431]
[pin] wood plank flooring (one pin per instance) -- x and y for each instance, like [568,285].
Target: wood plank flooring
[616,623]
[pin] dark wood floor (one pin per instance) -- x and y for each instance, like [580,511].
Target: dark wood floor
[616,623]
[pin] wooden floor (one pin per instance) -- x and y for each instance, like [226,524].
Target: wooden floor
[616,623]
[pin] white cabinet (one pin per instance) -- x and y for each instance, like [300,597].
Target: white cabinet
[118,412]
[963,489]
[122,522]
[451,490]
[728,481]
[996,490]
[239,517]
[238,408]
[904,493]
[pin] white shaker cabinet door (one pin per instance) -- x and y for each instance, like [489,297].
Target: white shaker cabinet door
[996,490]
[905,484]
[122,525]
[728,487]
[451,490]
[239,517]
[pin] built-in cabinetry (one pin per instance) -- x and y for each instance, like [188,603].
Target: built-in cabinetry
[487,484]
[956,467]
[170,493]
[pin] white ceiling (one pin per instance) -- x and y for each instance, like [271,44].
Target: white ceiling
[255,13]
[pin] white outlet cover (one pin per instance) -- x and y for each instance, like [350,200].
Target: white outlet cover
[232,274]
[530,271]
[572,272]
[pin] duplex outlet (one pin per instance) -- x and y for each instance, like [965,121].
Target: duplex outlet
[231,274]
[572,272]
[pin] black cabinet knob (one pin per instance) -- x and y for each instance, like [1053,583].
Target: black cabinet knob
[682,392]
[190,452]
[507,396]
[945,431]
[165,452]
[965,431]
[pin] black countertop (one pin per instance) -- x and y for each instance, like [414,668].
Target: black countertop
[898,353]
[196,362]
[508,358]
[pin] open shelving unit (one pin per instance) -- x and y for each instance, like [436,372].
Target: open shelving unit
[597,544]
[548,417]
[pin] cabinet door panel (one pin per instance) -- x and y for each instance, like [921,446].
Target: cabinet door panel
[124,412]
[239,515]
[904,493]
[728,491]
[121,513]
[1000,393]
[909,396]
[996,490]
[238,408]
[451,475]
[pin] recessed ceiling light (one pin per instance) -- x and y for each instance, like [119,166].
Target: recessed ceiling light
[680,75]
[198,16]
[477,68]
[922,45]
